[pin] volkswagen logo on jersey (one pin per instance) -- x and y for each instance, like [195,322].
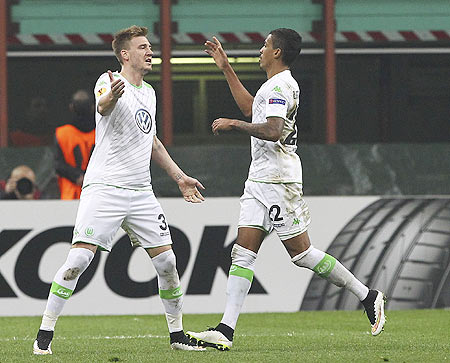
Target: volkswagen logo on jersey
[143,120]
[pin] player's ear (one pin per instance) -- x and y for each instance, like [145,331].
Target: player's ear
[277,53]
[125,55]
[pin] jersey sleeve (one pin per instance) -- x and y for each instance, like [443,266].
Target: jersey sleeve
[277,102]
[102,87]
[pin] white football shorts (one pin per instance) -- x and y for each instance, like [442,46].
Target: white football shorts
[104,208]
[274,206]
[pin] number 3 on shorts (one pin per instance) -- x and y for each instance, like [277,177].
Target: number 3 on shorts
[163,224]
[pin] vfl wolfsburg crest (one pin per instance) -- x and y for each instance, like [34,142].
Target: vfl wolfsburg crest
[143,120]
[89,231]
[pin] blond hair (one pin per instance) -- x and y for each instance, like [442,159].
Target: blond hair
[122,37]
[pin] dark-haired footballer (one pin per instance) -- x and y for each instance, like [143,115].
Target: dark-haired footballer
[272,198]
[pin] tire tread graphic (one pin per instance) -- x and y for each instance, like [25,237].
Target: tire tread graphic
[398,245]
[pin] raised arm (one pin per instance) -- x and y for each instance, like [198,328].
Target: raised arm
[106,104]
[187,185]
[242,97]
[270,130]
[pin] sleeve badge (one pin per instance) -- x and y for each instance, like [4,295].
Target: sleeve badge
[101,91]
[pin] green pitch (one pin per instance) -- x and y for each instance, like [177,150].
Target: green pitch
[338,336]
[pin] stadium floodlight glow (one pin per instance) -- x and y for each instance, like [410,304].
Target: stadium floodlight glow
[190,60]
[245,60]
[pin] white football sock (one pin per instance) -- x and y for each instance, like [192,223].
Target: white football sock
[64,284]
[169,289]
[240,279]
[329,268]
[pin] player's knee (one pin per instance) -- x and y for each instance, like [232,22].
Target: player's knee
[300,260]
[243,257]
[71,273]
[166,263]
[77,262]
[171,263]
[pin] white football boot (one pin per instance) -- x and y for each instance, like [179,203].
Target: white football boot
[185,343]
[374,306]
[43,343]
[211,338]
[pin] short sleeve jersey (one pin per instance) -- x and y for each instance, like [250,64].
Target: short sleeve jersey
[124,138]
[276,162]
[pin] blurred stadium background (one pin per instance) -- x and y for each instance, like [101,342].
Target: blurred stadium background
[374,136]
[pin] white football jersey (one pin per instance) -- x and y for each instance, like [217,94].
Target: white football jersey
[123,139]
[276,162]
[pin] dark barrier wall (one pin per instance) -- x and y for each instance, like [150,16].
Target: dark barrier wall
[345,169]
[401,98]
[380,169]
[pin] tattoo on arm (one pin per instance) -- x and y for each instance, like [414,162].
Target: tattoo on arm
[178,176]
[263,131]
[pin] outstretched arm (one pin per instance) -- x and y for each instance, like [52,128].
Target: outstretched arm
[106,104]
[188,186]
[242,97]
[270,130]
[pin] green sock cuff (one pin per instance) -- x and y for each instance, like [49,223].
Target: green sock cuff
[171,293]
[245,273]
[325,266]
[61,291]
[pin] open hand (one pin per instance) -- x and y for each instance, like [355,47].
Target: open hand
[117,86]
[215,50]
[189,188]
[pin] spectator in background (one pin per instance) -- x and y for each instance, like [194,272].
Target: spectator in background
[74,144]
[21,184]
[35,129]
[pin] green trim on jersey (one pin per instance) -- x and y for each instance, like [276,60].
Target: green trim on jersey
[325,266]
[116,75]
[60,291]
[268,182]
[138,87]
[75,240]
[239,271]
[171,293]
[147,84]
[119,187]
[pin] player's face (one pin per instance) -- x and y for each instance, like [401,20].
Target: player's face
[266,53]
[140,54]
